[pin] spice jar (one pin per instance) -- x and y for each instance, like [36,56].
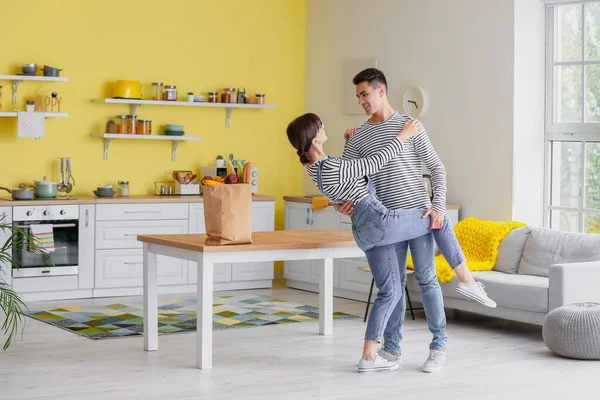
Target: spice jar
[225,97]
[157,88]
[123,188]
[260,98]
[130,124]
[232,96]
[111,127]
[121,124]
[213,97]
[143,127]
[170,93]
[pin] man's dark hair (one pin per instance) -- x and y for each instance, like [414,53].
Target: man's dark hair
[371,75]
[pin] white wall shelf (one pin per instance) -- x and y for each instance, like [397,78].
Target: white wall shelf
[229,107]
[174,139]
[20,78]
[46,114]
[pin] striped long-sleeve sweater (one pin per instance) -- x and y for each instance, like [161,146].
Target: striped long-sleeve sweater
[399,183]
[344,179]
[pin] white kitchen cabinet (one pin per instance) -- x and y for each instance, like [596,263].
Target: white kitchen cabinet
[123,234]
[301,216]
[297,216]
[118,254]
[87,219]
[5,219]
[124,268]
[263,219]
[141,211]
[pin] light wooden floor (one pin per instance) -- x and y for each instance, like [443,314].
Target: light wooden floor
[487,359]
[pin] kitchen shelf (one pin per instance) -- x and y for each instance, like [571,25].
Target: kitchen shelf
[175,139]
[20,78]
[46,114]
[229,107]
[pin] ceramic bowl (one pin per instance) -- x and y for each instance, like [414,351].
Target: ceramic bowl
[105,193]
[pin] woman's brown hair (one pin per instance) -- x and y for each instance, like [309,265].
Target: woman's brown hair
[301,132]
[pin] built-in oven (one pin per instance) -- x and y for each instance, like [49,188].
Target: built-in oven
[63,221]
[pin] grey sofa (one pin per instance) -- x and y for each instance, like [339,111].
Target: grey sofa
[537,271]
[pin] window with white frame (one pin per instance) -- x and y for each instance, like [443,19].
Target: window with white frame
[573,116]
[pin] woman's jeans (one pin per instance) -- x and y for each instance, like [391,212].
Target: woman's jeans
[383,235]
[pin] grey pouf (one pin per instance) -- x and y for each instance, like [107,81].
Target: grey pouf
[574,331]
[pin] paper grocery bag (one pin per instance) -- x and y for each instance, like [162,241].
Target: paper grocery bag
[228,214]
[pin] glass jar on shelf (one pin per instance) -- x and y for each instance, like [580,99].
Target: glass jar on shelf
[111,126]
[157,91]
[143,127]
[231,96]
[170,93]
[130,122]
[121,124]
[123,188]
[213,97]
[260,98]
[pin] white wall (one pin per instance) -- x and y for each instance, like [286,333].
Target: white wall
[460,51]
[528,145]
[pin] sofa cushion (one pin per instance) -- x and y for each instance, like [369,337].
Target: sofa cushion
[547,247]
[511,250]
[518,292]
[521,292]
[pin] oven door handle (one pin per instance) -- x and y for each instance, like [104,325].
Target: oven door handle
[53,226]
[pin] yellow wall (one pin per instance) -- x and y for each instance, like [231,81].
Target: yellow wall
[199,46]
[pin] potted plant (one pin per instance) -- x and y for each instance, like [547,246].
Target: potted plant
[30,105]
[10,303]
[220,162]
[190,97]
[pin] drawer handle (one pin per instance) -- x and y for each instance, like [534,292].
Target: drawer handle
[142,211]
[130,234]
[132,263]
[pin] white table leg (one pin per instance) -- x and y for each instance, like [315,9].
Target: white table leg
[205,313]
[150,301]
[326,298]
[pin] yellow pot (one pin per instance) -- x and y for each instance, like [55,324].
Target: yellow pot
[128,89]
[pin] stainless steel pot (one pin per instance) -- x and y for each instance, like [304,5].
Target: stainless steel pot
[51,71]
[19,194]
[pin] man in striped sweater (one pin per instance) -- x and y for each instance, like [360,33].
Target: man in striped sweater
[399,185]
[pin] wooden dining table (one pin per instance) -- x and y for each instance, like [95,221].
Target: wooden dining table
[316,244]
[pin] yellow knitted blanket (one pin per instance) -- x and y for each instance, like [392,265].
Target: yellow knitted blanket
[479,241]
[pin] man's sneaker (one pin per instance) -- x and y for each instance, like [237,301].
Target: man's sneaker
[435,361]
[475,291]
[390,356]
[378,364]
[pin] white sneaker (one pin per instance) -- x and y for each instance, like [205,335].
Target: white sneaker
[475,291]
[435,361]
[378,364]
[390,356]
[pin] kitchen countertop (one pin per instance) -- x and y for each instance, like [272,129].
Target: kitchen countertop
[308,199]
[7,202]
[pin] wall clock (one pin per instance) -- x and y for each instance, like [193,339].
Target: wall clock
[415,101]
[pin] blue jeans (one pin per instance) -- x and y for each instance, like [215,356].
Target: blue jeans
[374,225]
[385,235]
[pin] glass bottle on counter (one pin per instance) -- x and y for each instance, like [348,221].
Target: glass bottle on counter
[123,188]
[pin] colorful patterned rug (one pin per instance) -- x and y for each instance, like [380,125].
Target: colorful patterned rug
[176,316]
